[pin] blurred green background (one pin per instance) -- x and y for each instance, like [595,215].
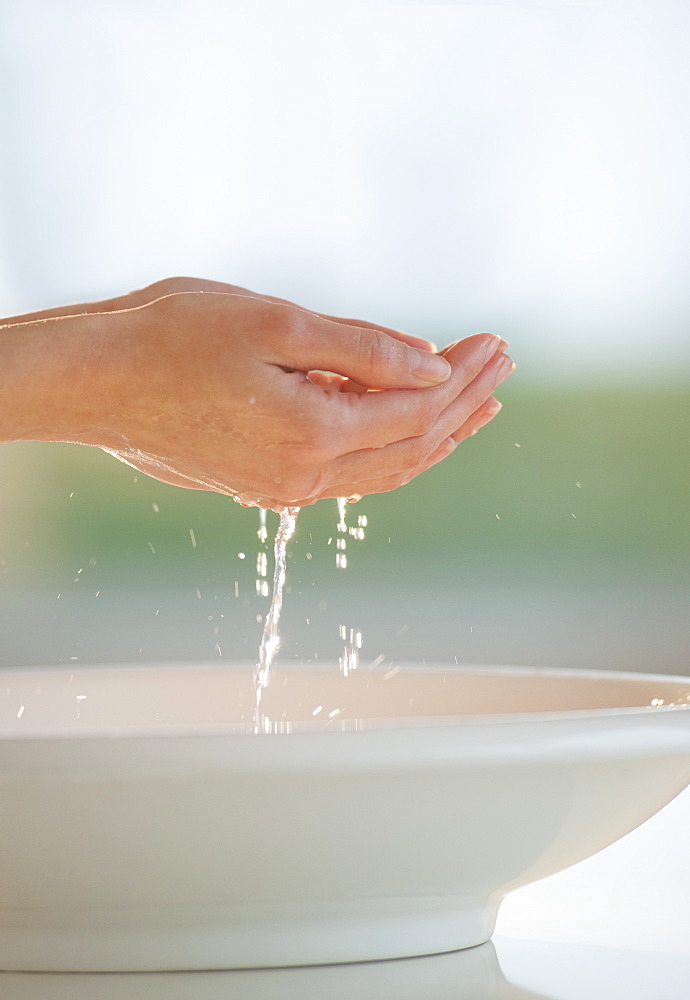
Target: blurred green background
[558,536]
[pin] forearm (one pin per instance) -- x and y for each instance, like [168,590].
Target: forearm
[50,377]
[79,309]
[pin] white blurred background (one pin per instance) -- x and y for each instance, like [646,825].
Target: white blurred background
[443,167]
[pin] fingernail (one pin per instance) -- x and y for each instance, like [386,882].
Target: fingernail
[503,344]
[431,368]
[492,345]
[504,368]
[444,450]
[493,406]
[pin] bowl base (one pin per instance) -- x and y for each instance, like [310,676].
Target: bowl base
[204,938]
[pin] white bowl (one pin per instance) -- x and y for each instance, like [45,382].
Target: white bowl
[144,826]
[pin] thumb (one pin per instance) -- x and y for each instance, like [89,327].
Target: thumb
[371,357]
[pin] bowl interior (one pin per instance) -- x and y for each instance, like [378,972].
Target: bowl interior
[173,697]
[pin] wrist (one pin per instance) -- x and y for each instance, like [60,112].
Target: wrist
[51,378]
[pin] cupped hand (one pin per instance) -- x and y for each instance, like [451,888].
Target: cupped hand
[276,405]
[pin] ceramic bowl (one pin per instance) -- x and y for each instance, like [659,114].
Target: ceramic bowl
[144,825]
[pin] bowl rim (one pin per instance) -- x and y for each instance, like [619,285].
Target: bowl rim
[310,728]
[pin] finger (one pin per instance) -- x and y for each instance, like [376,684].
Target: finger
[385,484]
[480,418]
[377,419]
[413,452]
[328,380]
[367,355]
[503,345]
[406,338]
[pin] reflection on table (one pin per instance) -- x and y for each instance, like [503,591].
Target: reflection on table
[504,971]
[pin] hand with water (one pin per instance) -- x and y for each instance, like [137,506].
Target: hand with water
[210,386]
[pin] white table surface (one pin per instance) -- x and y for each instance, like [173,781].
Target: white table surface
[615,927]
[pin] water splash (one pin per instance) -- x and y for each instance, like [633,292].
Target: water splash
[354,531]
[270,640]
[341,542]
[352,638]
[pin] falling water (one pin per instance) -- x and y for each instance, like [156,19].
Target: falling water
[270,640]
[262,556]
[262,532]
[352,638]
[341,541]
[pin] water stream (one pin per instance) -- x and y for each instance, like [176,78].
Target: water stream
[270,640]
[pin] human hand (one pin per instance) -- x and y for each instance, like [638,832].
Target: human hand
[171,286]
[221,398]
[226,391]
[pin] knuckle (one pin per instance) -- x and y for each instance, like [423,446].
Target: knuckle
[402,479]
[424,422]
[423,413]
[291,322]
[375,350]
[407,477]
[168,286]
[419,451]
[284,328]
